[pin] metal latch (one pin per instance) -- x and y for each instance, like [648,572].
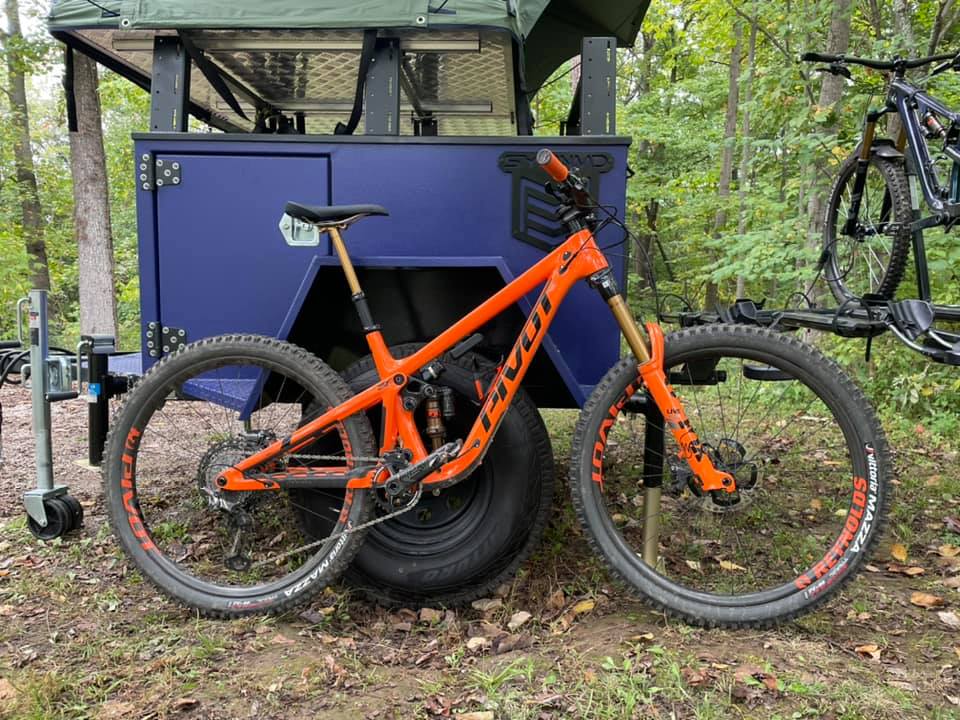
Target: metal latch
[299,234]
[164,340]
[153,174]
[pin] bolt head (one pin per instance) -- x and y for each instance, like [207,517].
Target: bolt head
[176,181]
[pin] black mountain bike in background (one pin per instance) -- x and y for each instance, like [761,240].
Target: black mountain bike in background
[874,214]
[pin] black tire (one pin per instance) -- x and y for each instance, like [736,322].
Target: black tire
[461,544]
[670,585]
[873,260]
[59,520]
[164,385]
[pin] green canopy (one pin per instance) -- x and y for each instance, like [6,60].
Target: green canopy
[552,30]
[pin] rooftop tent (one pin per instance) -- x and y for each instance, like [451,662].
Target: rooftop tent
[303,56]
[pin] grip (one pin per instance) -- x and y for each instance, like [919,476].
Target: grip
[553,166]
[819,57]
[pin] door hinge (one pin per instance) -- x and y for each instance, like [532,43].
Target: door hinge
[156,173]
[164,340]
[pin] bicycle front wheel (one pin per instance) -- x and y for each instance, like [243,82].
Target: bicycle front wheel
[197,413]
[870,255]
[806,449]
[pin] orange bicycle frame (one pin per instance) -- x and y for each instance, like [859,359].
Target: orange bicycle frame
[578,258]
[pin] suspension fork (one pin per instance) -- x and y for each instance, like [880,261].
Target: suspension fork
[860,178]
[670,411]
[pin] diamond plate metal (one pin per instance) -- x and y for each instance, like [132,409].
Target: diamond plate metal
[470,91]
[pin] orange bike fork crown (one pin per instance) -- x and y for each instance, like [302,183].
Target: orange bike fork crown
[691,450]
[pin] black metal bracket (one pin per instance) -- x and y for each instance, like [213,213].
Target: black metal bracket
[156,173]
[164,340]
[169,86]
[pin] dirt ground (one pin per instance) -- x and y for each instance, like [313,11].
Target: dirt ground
[82,636]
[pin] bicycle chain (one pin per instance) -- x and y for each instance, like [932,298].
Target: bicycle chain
[363,526]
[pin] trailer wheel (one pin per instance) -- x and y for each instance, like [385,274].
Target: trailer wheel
[461,543]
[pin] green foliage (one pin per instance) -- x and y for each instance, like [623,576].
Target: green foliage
[674,87]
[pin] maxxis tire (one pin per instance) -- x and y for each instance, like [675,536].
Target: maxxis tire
[851,410]
[895,179]
[502,534]
[302,584]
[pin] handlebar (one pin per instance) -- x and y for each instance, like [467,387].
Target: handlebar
[553,166]
[876,64]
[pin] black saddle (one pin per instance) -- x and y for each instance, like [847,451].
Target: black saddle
[325,216]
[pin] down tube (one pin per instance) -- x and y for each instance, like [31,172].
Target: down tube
[505,385]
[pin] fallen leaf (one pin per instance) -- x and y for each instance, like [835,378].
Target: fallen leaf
[508,643]
[871,568]
[727,565]
[926,600]
[584,606]
[280,639]
[644,637]
[589,676]
[696,678]
[477,643]
[486,604]
[953,524]
[481,715]
[556,601]
[430,616]
[816,504]
[948,550]
[185,703]
[950,619]
[7,611]
[518,619]
[953,582]
[898,552]
[908,570]
[693,564]
[868,651]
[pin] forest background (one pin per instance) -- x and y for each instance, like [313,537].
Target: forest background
[735,144]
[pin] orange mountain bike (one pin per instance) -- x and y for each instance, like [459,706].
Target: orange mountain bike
[731,476]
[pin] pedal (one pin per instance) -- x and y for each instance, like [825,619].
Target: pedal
[415,473]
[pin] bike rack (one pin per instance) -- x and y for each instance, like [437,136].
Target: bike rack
[911,321]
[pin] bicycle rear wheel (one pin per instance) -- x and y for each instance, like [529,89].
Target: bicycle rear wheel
[808,454]
[872,258]
[199,412]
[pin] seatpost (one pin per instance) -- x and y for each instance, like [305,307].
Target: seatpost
[356,292]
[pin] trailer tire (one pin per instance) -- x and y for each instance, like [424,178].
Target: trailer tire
[463,543]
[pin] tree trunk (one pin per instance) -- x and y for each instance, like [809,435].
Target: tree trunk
[88,166]
[31,219]
[726,164]
[831,91]
[905,43]
[746,153]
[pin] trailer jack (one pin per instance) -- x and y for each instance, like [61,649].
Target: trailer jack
[55,376]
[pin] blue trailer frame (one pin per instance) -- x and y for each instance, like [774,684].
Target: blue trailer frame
[467,216]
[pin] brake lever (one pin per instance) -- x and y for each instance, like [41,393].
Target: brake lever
[836,69]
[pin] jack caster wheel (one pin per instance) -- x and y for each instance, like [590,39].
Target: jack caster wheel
[64,515]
